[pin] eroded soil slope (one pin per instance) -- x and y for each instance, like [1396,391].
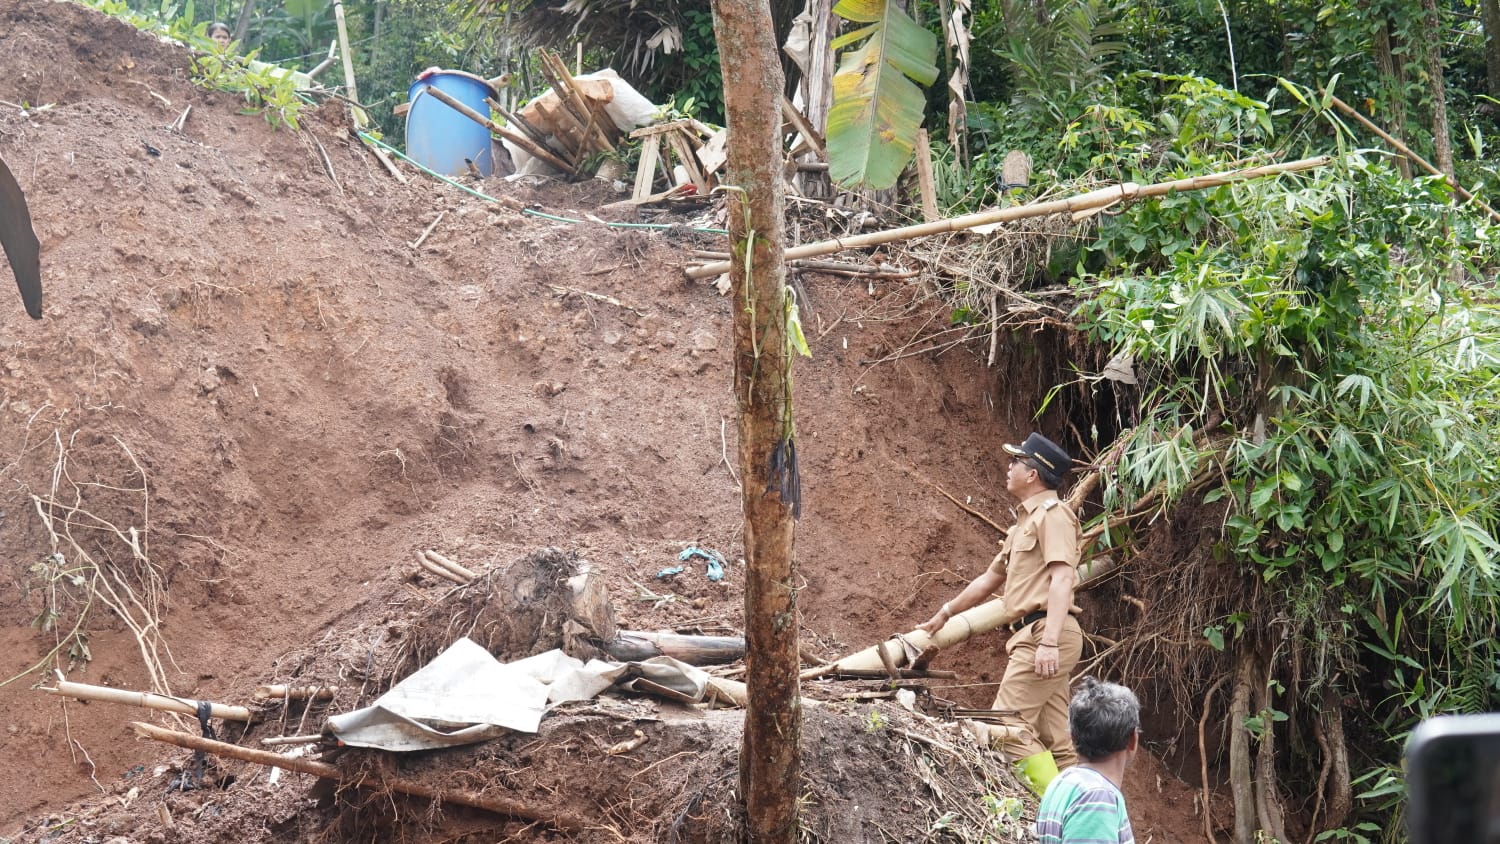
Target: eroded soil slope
[251,390]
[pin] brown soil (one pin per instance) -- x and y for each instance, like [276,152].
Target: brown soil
[244,362]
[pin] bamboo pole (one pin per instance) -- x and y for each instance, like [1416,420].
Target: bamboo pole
[1407,151]
[971,622]
[187,706]
[516,138]
[282,692]
[323,770]
[1092,201]
[280,741]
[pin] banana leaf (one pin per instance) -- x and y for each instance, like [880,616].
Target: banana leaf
[877,107]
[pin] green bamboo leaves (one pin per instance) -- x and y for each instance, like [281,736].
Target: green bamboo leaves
[877,107]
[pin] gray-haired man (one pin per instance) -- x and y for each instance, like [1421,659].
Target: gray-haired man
[1084,803]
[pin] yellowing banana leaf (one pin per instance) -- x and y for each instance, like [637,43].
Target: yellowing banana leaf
[877,108]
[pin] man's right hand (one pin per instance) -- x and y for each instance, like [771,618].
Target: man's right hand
[932,625]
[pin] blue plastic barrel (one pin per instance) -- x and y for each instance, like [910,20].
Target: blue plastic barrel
[439,137]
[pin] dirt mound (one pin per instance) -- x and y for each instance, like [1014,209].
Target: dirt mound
[253,395]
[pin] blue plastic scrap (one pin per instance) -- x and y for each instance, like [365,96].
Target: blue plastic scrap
[669,572]
[715,565]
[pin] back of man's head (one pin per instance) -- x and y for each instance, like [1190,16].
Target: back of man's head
[1103,719]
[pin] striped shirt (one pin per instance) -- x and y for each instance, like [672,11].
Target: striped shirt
[1083,807]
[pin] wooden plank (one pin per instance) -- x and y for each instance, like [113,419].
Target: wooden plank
[803,127]
[689,162]
[577,104]
[924,177]
[645,173]
[661,128]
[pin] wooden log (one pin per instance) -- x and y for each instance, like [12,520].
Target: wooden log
[1092,201]
[187,706]
[514,137]
[284,692]
[498,805]
[635,645]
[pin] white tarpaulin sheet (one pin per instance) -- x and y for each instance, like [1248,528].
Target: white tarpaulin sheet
[465,695]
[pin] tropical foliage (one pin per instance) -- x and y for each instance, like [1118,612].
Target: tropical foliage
[877,107]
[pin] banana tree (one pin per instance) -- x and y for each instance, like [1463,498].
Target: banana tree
[877,106]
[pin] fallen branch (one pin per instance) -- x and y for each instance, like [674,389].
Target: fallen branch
[966,508]
[323,770]
[422,238]
[560,290]
[1086,203]
[187,706]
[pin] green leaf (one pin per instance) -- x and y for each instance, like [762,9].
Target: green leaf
[877,107]
[1215,637]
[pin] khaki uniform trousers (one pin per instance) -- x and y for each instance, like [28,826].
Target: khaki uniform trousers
[1033,707]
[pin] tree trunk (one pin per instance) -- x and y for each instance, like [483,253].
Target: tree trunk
[1270,812]
[1391,77]
[1442,142]
[770,772]
[1490,11]
[1340,791]
[1241,783]
[242,26]
[379,26]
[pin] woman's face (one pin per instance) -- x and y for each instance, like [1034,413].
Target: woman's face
[220,37]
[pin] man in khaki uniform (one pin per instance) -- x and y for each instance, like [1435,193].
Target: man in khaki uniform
[1037,566]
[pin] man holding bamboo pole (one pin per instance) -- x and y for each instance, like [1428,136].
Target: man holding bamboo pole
[1036,565]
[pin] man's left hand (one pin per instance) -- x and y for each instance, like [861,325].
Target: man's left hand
[1046,660]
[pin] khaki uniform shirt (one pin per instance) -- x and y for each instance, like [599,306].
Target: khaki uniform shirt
[1047,532]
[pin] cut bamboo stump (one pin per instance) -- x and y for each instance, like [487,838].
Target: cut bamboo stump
[187,706]
[319,693]
[323,770]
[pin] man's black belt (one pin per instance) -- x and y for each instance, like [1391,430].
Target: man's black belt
[1029,618]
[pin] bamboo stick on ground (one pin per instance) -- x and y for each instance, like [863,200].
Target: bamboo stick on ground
[450,565]
[1082,203]
[323,770]
[433,568]
[187,706]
